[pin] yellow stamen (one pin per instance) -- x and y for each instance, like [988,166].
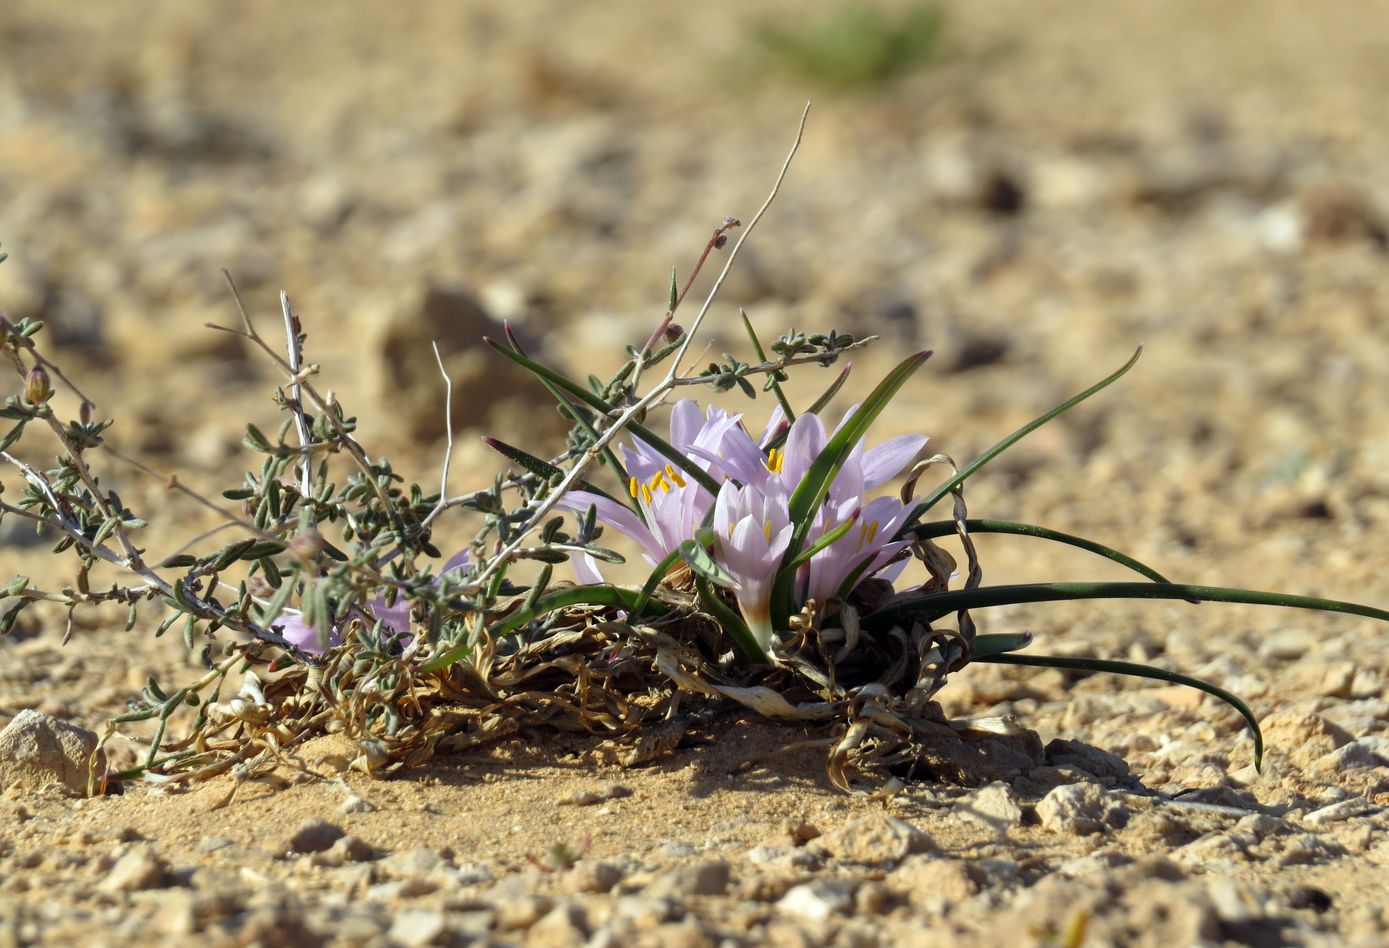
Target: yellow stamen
[866,533]
[776,459]
[767,529]
[675,475]
[646,493]
[659,482]
[632,486]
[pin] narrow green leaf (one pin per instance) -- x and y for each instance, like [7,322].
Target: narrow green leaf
[652,581]
[262,548]
[12,436]
[987,645]
[11,615]
[674,292]
[232,553]
[928,608]
[824,541]
[180,560]
[969,469]
[703,564]
[772,382]
[539,586]
[539,467]
[277,603]
[542,468]
[256,440]
[944,528]
[14,587]
[692,470]
[1134,670]
[828,394]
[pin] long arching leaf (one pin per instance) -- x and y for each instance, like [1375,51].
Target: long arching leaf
[928,608]
[935,496]
[1134,670]
[944,528]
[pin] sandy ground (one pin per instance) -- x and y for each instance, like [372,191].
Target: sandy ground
[1067,181]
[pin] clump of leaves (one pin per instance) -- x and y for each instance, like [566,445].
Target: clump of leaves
[856,46]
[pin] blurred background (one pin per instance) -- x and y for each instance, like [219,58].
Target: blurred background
[1029,188]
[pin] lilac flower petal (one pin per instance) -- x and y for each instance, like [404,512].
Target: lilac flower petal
[883,462]
[586,569]
[774,424]
[459,561]
[614,515]
[686,420]
[803,445]
[299,633]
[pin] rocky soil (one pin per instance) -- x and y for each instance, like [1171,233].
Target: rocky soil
[1067,180]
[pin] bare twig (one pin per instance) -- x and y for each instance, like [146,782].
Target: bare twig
[296,406]
[636,409]
[354,450]
[733,254]
[448,432]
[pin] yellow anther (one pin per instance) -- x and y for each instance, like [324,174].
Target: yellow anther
[659,482]
[767,530]
[646,493]
[776,459]
[675,475]
[632,486]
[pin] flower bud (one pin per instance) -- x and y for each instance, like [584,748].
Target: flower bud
[37,389]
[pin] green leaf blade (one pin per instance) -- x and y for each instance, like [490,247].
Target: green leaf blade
[1135,670]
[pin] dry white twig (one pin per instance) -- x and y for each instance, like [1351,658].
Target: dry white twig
[653,397]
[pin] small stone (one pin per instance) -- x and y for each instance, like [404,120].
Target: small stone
[819,899]
[1366,752]
[1092,760]
[593,877]
[710,877]
[1234,900]
[1306,849]
[564,926]
[520,913]
[876,839]
[351,849]
[1308,897]
[313,836]
[874,898]
[1304,737]
[1076,808]
[994,806]
[412,863]
[784,857]
[1339,811]
[355,804]
[413,927]
[936,883]
[800,831]
[38,749]
[139,869]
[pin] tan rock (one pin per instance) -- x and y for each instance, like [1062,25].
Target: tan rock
[37,750]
